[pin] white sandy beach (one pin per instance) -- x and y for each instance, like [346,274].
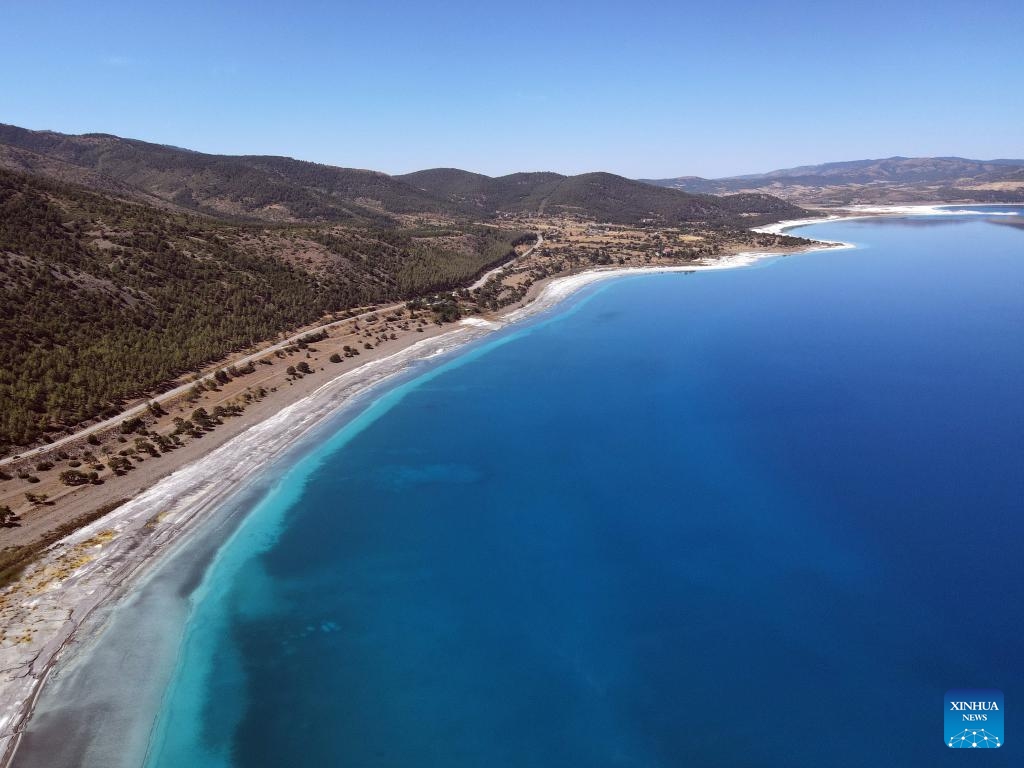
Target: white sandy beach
[872,211]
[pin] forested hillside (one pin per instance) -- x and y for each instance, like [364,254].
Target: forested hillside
[280,189]
[125,264]
[276,189]
[603,197]
[102,299]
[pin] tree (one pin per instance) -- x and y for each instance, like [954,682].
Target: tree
[119,464]
[184,291]
[73,477]
[303,367]
[131,425]
[201,417]
[142,444]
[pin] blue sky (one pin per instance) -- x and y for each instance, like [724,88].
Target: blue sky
[639,88]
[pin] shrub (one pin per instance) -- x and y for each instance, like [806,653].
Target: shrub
[142,444]
[131,425]
[73,477]
[201,417]
[119,464]
[311,338]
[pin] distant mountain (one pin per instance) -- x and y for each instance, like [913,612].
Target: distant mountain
[898,170]
[888,180]
[280,189]
[601,196]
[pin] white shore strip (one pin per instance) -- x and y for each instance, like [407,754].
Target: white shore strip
[97,563]
[873,211]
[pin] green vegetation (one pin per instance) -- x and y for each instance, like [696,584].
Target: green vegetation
[603,197]
[281,189]
[115,278]
[102,300]
[411,262]
[74,477]
[242,187]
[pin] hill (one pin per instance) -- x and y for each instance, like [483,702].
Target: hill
[103,299]
[124,264]
[888,180]
[517,192]
[604,197]
[283,190]
[266,188]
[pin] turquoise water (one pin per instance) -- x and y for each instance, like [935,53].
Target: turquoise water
[751,517]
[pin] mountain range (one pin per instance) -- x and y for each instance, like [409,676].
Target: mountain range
[889,180]
[284,190]
[126,264]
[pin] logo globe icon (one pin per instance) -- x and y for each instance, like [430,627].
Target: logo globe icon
[974,738]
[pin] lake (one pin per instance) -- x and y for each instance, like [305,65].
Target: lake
[757,517]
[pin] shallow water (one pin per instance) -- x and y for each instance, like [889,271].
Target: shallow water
[756,517]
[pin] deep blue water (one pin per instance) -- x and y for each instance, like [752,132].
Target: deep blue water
[761,517]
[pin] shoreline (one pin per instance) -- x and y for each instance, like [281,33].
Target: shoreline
[101,563]
[97,564]
[875,211]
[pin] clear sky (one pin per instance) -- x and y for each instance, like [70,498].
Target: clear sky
[645,89]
